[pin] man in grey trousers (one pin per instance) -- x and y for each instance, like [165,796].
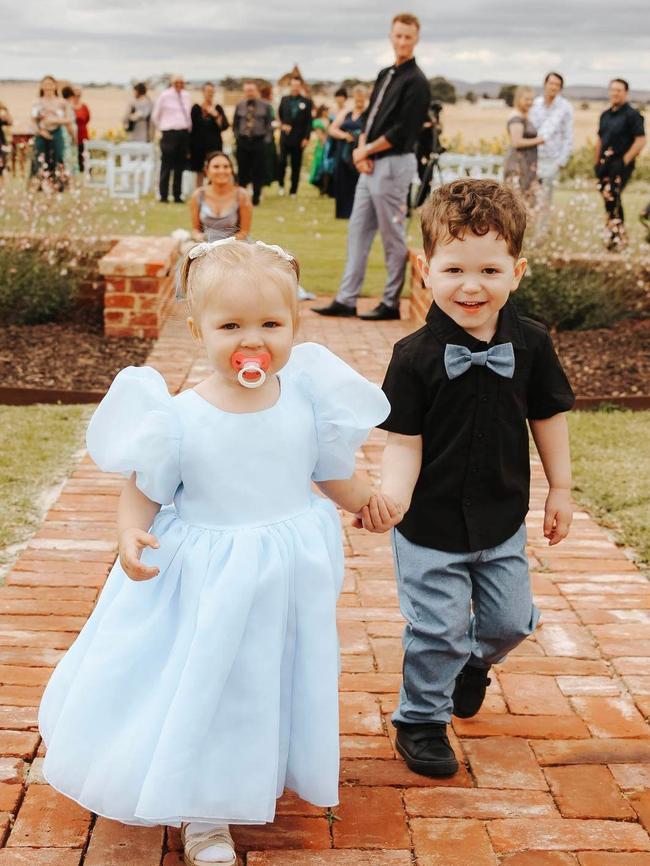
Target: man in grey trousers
[386,162]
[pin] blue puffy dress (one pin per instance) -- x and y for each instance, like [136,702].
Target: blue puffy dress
[202,693]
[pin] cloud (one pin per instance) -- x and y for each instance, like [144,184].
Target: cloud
[471,39]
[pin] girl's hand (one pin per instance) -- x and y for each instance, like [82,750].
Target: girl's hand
[379,515]
[131,544]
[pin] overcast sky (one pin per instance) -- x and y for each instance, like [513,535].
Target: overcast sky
[507,40]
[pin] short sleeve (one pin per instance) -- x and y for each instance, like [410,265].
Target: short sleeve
[549,391]
[135,429]
[404,391]
[637,124]
[346,408]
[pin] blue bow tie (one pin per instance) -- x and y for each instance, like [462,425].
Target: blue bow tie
[500,359]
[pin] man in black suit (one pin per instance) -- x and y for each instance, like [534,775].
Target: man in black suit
[295,124]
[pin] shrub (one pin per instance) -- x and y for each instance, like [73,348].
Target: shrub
[35,286]
[568,297]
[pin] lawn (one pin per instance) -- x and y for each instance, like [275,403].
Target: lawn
[611,472]
[37,447]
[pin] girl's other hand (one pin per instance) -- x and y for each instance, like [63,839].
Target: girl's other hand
[380,514]
[131,544]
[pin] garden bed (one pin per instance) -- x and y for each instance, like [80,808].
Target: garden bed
[66,356]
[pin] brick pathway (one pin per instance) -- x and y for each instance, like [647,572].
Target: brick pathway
[556,768]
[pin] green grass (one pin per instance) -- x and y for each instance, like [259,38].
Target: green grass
[37,444]
[611,470]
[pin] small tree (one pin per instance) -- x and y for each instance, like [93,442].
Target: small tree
[442,90]
[471,97]
[507,93]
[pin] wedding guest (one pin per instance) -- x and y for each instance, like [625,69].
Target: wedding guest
[552,115]
[621,138]
[384,156]
[82,117]
[70,144]
[340,100]
[49,116]
[5,121]
[208,122]
[172,116]
[332,145]
[346,129]
[295,114]
[252,126]
[220,208]
[137,120]
[520,165]
[319,125]
[270,152]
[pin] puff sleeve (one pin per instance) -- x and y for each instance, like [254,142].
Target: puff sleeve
[346,408]
[136,429]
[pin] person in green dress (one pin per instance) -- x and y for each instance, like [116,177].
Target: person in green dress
[319,125]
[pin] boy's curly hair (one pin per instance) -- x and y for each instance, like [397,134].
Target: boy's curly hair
[478,205]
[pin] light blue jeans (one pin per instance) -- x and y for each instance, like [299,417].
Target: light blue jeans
[460,608]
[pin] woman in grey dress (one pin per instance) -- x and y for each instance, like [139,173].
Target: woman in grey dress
[137,120]
[220,208]
[520,166]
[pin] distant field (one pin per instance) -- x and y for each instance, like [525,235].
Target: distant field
[107,106]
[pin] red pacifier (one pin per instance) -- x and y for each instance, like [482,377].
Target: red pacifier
[250,369]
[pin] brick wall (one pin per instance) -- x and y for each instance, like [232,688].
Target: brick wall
[139,276]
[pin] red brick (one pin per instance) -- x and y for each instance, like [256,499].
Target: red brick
[12,770]
[377,683]
[10,796]
[40,857]
[532,694]
[592,752]
[144,319]
[124,302]
[20,744]
[477,803]
[641,803]
[116,844]
[112,318]
[448,842]
[574,641]
[555,666]
[611,717]
[530,727]
[631,776]
[360,714]
[354,746]
[47,819]
[396,773]
[388,653]
[565,834]
[114,285]
[286,832]
[609,858]
[587,791]
[146,285]
[333,857]
[540,858]
[501,762]
[18,718]
[21,696]
[370,818]
[290,804]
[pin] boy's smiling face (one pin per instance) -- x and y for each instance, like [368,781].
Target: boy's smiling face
[471,279]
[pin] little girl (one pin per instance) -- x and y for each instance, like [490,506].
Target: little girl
[205,680]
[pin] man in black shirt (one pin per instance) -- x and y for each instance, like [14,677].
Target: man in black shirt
[386,161]
[252,124]
[294,113]
[457,464]
[621,138]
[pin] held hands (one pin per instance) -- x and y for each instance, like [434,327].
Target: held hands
[379,515]
[362,163]
[558,514]
[131,544]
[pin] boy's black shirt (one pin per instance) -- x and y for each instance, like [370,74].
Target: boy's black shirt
[474,484]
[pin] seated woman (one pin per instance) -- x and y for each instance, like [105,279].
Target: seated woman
[220,208]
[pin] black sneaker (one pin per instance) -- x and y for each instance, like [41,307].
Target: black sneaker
[469,692]
[425,748]
[381,313]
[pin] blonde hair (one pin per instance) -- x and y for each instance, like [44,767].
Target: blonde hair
[522,90]
[203,277]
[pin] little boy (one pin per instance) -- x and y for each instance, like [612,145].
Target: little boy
[457,463]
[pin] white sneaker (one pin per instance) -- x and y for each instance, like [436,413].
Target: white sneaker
[280,191]
[304,295]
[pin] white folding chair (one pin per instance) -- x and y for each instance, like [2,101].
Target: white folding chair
[99,163]
[134,171]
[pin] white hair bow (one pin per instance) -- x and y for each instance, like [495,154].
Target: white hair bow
[201,249]
[276,249]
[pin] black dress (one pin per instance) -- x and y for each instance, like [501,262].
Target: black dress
[206,134]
